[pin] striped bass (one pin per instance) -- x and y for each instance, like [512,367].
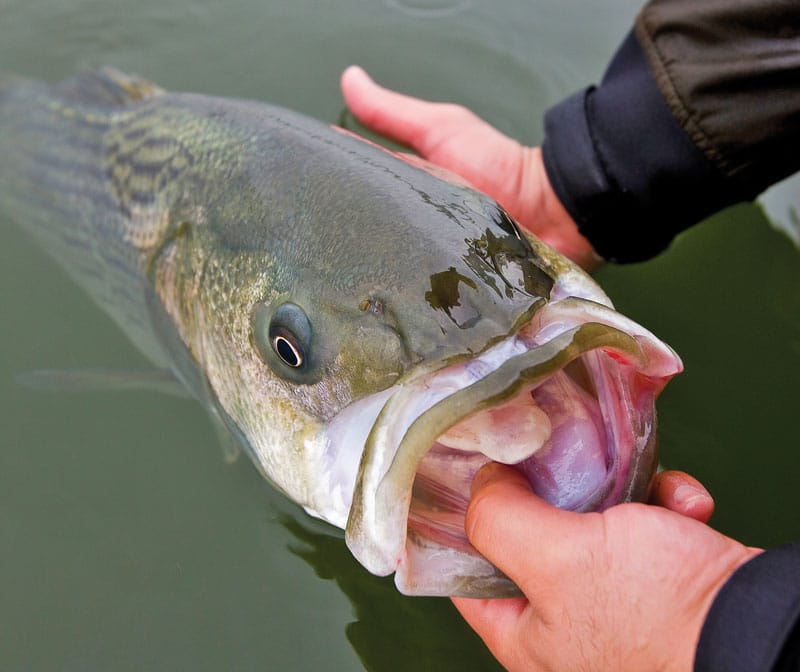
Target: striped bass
[370,333]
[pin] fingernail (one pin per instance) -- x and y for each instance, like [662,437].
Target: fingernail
[483,476]
[357,70]
[686,495]
[494,471]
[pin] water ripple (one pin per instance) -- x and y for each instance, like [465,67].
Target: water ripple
[429,8]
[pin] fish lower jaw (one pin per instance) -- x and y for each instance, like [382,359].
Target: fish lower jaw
[572,460]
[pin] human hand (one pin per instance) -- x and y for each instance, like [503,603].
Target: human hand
[681,493]
[453,137]
[625,589]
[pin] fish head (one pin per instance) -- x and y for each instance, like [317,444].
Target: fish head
[335,336]
[412,334]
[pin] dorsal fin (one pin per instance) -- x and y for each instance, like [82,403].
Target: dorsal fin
[107,86]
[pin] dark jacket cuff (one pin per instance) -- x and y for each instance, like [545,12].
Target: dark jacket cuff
[624,168]
[753,623]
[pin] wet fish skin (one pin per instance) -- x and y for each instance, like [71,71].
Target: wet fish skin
[182,214]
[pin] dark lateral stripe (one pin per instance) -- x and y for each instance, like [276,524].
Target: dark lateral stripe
[68,191]
[57,146]
[66,175]
[78,168]
[120,262]
[89,271]
[124,292]
[63,134]
[61,243]
[71,240]
[64,212]
[61,191]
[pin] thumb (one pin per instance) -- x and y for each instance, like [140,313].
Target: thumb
[517,531]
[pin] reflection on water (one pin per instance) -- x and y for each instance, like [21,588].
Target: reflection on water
[126,541]
[391,632]
[429,9]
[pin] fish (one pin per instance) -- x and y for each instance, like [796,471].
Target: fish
[368,330]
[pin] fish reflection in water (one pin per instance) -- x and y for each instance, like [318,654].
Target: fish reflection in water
[390,633]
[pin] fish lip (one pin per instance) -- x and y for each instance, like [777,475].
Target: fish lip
[377,527]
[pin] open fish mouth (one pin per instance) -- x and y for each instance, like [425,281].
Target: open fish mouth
[568,399]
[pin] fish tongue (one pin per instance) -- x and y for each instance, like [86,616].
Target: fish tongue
[508,433]
[574,463]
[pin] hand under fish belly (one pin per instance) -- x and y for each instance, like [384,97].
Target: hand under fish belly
[371,333]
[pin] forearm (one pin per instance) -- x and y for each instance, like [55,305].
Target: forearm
[730,73]
[699,109]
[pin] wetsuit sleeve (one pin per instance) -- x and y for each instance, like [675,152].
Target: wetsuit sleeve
[699,109]
[754,622]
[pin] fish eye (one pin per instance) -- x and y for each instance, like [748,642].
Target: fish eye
[286,347]
[283,333]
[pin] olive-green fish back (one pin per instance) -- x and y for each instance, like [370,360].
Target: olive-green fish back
[55,183]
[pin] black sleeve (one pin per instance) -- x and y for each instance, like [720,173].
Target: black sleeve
[754,622]
[699,109]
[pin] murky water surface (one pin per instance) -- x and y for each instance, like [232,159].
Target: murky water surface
[125,541]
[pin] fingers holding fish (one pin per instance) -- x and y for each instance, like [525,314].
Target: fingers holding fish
[682,493]
[589,586]
[449,135]
[456,139]
[515,529]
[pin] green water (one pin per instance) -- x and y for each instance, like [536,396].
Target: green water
[126,543]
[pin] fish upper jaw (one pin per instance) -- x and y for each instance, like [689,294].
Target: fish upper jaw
[568,399]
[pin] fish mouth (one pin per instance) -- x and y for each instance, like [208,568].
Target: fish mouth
[568,400]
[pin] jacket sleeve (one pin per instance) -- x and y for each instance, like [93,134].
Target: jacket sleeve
[699,109]
[754,621]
